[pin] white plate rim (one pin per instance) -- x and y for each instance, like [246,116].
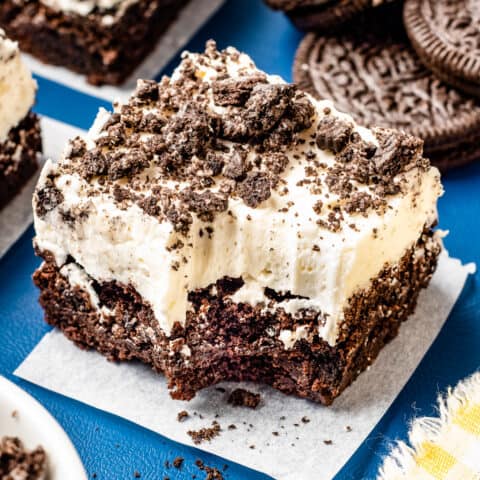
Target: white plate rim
[34,425]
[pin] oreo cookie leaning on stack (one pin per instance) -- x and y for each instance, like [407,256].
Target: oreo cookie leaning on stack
[446,36]
[370,69]
[322,15]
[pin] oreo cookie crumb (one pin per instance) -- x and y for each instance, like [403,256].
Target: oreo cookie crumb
[255,189]
[47,198]
[333,133]
[235,92]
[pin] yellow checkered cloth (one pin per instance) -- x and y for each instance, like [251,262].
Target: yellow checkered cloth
[443,448]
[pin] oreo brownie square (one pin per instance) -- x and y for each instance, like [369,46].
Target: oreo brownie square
[20,139]
[102,39]
[224,225]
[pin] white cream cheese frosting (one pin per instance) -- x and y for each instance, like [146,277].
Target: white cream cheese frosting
[17,87]
[277,245]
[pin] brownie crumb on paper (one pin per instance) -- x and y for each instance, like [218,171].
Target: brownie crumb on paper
[182,416]
[205,434]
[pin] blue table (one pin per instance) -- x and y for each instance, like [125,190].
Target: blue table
[113,448]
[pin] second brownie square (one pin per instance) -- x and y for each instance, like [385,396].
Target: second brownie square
[104,40]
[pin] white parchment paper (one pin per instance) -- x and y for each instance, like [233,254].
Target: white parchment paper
[190,19]
[17,215]
[298,452]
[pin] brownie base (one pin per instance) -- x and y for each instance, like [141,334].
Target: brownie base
[18,157]
[226,341]
[106,54]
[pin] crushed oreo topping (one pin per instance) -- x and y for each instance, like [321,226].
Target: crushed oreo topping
[333,133]
[173,131]
[233,92]
[255,189]
[182,148]
[48,198]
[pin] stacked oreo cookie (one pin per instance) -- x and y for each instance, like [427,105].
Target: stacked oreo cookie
[323,14]
[412,65]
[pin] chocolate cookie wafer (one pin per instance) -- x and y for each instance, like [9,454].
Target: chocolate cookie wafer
[373,73]
[446,36]
[316,15]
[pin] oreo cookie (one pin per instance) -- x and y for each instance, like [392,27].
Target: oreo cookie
[322,15]
[446,37]
[372,73]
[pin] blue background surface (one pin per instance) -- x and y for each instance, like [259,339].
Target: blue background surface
[113,448]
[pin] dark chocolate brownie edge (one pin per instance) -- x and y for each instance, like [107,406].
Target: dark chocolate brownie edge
[106,54]
[223,340]
[18,157]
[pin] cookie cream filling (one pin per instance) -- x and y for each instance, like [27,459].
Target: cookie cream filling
[17,87]
[285,243]
[84,7]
